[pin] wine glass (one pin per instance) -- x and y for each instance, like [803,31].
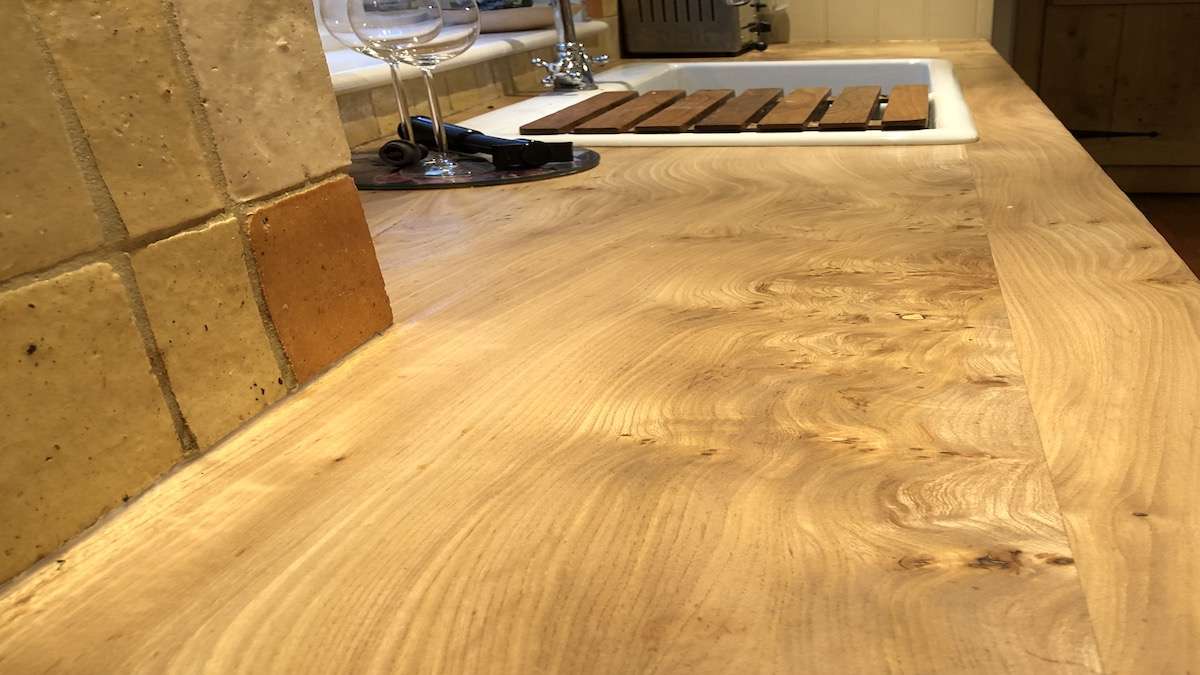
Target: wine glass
[336,18]
[384,25]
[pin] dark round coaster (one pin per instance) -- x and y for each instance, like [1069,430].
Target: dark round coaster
[371,173]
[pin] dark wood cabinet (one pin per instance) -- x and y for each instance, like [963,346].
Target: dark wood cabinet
[1124,69]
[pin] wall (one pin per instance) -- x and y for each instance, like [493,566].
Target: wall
[836,20]
[178,246]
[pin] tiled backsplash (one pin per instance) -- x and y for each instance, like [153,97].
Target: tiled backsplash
[178,245]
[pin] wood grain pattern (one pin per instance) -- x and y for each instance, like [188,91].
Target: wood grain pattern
[907,108]
[658,418]
[851,110]
[795,111]
[624,117]
[655,435]
[680,116]
[739,113]
[1107,323]
[568,118]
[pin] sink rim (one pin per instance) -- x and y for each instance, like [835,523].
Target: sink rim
[953,122]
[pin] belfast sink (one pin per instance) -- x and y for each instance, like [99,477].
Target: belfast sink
[950,119]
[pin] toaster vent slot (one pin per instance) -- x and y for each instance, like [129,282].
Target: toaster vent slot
[676,11]
[661,27]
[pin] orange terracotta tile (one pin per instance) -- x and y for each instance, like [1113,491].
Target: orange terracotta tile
[319,275]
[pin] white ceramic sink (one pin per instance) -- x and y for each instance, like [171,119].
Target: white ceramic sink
[951,120]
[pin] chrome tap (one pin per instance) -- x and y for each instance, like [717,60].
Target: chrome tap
[572,70]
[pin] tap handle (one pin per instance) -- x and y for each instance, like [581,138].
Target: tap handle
[552,70]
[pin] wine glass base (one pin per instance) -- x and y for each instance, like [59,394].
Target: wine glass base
[440,165]
[371,173]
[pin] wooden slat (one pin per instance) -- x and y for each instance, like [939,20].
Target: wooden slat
[852,109]
[737,114]
[682,115]
[794,111]
[568,118]
[907,108]
[624,117]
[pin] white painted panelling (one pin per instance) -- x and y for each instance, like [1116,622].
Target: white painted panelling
[845,20]
[950,18]
[902,19]
[854,20]
[983,18]
[809,20]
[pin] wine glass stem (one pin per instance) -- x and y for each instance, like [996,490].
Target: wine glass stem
[435,111]
[402,103]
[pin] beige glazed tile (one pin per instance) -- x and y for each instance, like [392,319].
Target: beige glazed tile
[45,210]
[383,102]
[84,420]
[126,85]
[208,327]
[358,117]
[471,87]
[319,275]
[266,90]
[526,77]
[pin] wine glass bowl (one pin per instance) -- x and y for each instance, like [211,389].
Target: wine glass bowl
[394,26]
[460,30]
[335,16]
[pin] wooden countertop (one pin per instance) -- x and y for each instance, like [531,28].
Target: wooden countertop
[844,410]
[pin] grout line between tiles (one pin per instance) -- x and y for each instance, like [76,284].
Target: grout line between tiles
[141,318]
[112,225]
